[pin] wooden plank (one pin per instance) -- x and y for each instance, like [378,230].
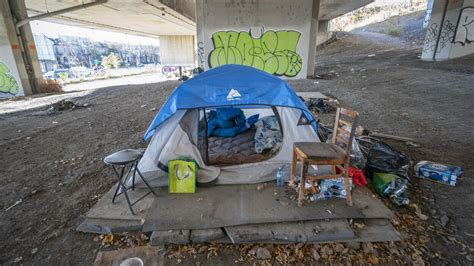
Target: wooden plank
[229,205]
[312,95]
[387,136]
[107,226]
[307,231]
[374,230]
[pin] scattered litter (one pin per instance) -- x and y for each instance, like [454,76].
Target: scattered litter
[55,122]
[392,186]
[359,225]
[317,105]
[383,158]
[329,188]
[442,173]
[63,105]
[34,251]
[17,259]
[371,55]
[16,203]
[357,176]
[134,261]
[280,177]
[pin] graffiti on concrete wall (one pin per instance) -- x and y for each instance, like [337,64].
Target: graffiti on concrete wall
[273,52]
[430,39]
[445,36]
[200,53]
[8,83]
[465,27]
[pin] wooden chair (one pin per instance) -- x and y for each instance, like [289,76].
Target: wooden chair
[319,153]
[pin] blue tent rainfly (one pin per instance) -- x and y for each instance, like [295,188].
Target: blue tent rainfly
[229,85]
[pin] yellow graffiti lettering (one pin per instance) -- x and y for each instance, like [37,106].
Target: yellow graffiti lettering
[8,83]
[273,52]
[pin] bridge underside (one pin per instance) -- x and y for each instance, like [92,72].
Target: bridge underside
[194,20]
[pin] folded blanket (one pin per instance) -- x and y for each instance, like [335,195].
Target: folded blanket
[268,135]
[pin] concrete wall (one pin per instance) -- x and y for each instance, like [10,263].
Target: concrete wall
[450,32]
[10,84]
[323,32]
[274,36]
[177,50]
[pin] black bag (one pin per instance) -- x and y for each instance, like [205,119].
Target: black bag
[385,159]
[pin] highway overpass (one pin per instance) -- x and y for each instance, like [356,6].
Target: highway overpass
[283,34]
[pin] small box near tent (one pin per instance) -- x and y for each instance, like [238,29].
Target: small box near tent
[272,115]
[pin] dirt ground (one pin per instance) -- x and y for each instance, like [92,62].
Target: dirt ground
[52,164]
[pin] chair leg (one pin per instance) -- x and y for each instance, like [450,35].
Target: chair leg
[293,167]
[347,184]
[303,173]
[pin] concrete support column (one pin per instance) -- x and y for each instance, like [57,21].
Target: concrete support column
[323,31]
[25,39]
[313,39]
[13,78]
[450,31]
[177,50]
[278,37]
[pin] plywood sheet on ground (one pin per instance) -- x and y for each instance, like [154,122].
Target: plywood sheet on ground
[305,231]
[230,205]
[105,209]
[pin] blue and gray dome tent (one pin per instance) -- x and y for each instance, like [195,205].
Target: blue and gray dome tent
[177,129]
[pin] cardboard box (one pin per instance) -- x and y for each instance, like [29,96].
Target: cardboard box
[446,174]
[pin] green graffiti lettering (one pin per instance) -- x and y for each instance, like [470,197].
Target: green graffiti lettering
[273,52]
[8,83]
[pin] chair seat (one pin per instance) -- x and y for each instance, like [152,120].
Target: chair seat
[124,156]
[320,151]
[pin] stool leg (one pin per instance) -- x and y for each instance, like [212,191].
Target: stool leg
[133,175]
[144,181]
[119,176]
[124,189]
[347,184]
[304,171]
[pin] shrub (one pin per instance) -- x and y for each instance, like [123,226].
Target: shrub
[51,85]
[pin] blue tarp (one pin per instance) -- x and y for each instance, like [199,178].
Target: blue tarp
[229,85]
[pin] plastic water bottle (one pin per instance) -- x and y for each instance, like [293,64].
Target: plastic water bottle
[280,177]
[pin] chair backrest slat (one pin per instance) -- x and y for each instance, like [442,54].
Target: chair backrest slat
[344,131]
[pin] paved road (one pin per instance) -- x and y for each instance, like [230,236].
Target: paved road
[75,90]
